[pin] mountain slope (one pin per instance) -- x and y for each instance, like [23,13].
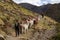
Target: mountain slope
[10,11]
[34,8]
[50,10]
[54,12]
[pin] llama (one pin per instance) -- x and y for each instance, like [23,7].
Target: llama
[31,23]
[24,27]
[39,17]
[34,20]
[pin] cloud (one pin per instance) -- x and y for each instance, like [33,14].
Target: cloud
[17,1]
[54,1]
[34,2]
[37,2]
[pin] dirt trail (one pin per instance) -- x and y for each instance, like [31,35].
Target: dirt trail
[12,38]
[36,34]
[43,35]
[15,38]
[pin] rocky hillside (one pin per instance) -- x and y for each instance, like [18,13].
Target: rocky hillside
[10,11]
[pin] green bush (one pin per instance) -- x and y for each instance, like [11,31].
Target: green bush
[56,37]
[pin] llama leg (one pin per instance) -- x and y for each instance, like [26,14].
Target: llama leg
[26,30]
[22,30]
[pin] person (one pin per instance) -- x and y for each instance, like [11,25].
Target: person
[16,28]
[42,15]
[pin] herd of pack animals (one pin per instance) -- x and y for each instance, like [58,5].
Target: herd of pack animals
[29,22]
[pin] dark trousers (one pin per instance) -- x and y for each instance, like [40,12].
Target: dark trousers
[17,32]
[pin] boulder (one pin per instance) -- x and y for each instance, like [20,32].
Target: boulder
[2,37]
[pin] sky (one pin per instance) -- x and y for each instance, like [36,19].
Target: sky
[37,2]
